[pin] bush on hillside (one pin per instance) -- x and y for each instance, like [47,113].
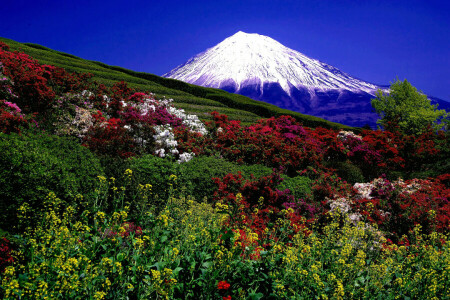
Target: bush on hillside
[196,175]
[348,171]
[150,169]
[31,166]
[194,178]
[300,186]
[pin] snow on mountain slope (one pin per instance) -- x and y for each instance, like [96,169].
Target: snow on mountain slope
[244,58]
[261,68]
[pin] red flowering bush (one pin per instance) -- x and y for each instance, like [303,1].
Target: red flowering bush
[11,118]
[274,142]
[223,285]
[399,206]
[5,254]
[258,204]
[35,86]
[109,137]
[125,230]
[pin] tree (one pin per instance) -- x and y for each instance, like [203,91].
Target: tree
[409,110]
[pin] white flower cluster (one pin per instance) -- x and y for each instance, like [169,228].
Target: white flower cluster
[190,121]
[185,157]
[165,140]
[164,137]
[344,135]
[365,189]
[411,188]
[343,205]
[82,121]
[167,145]
[340,204]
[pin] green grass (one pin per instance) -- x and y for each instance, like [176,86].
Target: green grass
[192,98]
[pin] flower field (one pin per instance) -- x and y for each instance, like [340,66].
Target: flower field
[110,193]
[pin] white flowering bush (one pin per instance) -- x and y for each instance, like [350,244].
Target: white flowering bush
[344,136]
[148,122]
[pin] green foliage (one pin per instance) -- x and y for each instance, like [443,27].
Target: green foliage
[408,109]
[114,167]
[300,186]
[150,169]
[196,175]
[348,171]
[193,178]
[188,252]
[33,165]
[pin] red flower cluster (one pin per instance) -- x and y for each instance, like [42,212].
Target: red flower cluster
[223,285]
[5,254]
[130,228]
[398,207]
[35,86]
[11,118]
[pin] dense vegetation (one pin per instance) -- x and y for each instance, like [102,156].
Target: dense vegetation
[108,192]
[408,109]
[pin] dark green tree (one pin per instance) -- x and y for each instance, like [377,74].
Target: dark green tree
[408,109]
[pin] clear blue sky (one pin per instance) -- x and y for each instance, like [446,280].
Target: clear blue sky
[373,40]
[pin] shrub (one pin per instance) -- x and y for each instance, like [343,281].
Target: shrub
[156,171]
[33,165]
[348,171]
[197,174]
[114,167]
[300,186]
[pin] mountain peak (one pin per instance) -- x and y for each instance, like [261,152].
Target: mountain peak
[241,34]
[251,57]
[261,68]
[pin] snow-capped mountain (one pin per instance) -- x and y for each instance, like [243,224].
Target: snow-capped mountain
[261,68]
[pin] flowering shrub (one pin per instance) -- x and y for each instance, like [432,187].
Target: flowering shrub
[11,118]
[35,86]
[399,206]
[109,137]
[5,254]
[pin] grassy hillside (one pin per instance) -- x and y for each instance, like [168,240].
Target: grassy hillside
[192,98]
[100,200]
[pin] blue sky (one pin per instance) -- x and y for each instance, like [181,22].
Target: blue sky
[377,41]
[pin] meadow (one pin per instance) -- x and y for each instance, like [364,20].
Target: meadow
[110,191]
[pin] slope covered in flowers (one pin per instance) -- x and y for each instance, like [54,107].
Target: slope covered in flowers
[110,193]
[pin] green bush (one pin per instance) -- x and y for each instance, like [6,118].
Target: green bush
[31,166]
[114,167]
[299,186]
[196,175]
[150,169]
[348,171]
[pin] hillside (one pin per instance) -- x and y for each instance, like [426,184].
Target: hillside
[194,99]
[110,193]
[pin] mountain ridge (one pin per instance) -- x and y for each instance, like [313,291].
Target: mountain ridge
[261,68]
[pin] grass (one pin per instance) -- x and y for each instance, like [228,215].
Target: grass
[192,98]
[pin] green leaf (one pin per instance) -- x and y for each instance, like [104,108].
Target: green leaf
[177,270]
[120,256]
